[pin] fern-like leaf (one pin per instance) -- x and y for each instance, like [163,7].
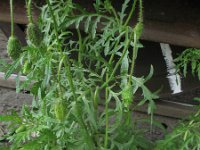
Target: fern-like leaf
[87,24]
[122,14]
[94,26]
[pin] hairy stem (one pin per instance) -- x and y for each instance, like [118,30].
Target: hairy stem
[70,79]
[119,61]
[29,11]
[106,113]
[131,13]
[80,48]
[106,97]
[59,74]
[115,14]
[12,17]
[133,59]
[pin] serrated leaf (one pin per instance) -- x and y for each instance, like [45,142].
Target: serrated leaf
[151,107]
[107,48]
[77,23]
[124,7]
[185,69]
[142,102]
[47,73]
[87,24]
[198,71]
[8,118]
[150,74]
[94,26]
[12,68]
[125,65]
[193,65]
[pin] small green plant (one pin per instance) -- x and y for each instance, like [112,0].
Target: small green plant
[190,57]
[187,133]
[184,136]
[83,83]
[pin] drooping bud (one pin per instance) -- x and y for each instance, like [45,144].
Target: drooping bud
[34,34]
[138,29]
[14,47]
[59,110]
[127,95]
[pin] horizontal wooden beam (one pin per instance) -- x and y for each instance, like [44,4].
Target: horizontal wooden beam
[5,27]
[178,33]
[164,108]
[20,16]
[11,81]
[169,109]
[186,35]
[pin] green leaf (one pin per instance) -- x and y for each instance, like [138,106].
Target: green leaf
[193,65]
[122,14]
[8,118]
[142,102]
[151,107]
[77,23]
[150,74]
[87,24]
[12,68]
[198,71]
[94,26]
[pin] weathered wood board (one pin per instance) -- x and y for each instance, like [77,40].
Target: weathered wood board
[175,22]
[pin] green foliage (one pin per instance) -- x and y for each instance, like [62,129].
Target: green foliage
[190,57]
[74,73]
[187,133]
[185,136]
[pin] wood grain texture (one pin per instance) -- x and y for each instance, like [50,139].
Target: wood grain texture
[169,109]
[11,81]
[19,12]
[164,108]
[163,25]
[5,27]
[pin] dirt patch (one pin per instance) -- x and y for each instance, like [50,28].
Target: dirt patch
[9,100]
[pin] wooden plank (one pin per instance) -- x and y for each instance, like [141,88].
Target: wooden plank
[19,12]
[5,27]
[11,81]
[174,32]
[187,35]
[164,108]
[169,109]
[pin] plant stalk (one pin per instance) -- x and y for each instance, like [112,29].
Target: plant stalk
[133,59]
[29,11]
[131,13]
[107,117]
[69,76]
[80,48]
[119,61]
[12,17]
